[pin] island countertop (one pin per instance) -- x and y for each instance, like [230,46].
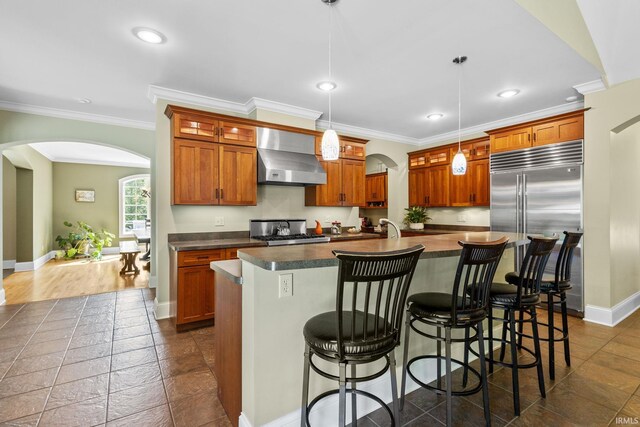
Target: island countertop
[320,255]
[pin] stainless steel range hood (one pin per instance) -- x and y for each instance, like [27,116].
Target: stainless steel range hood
[288,158]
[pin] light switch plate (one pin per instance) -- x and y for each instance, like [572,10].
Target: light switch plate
[218,221]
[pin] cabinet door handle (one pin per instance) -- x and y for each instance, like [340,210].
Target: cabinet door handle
[217,193]
[528,137]
[425,200]
[221,194]
[534,137]
[474,197]
[470,197]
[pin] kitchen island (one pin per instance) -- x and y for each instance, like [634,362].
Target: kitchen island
[272,344]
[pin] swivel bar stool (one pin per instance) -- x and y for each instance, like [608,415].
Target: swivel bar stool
[465,307]
[557,288]
[520,296]
[364,328]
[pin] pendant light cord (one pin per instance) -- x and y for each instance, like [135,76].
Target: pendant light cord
[330,57]
[459,102]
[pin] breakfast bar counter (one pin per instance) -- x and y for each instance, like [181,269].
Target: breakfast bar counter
[269,340]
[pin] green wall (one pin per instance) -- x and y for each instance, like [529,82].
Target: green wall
[24,211]
[8,209]
[103,213]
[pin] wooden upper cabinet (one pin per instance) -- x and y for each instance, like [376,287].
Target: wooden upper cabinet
[418,182]
[439,156]
[193,126]
[345,185]
[418,160]
[480,148]
[353,177]
[236,134]
[195,172]
[511,140]
[350,148]
[376,188]
[552,130]
[563,130]
[472,188]
[238,176]
[438,185]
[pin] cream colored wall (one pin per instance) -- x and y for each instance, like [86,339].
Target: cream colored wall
[609,109]
[67,177]
[625,214]
[8,210]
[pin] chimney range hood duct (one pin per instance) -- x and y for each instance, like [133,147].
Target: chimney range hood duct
[288,158]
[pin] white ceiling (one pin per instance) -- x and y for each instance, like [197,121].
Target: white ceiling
[80,152]
[391,60]
[616,34]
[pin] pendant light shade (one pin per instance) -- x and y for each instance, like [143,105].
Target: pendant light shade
[459,163]
[330,142]
[330,145]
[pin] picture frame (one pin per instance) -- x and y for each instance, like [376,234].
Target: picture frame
[85,196]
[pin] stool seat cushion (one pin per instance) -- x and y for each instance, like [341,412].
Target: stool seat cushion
[551,286]
[320,333]
[437,306]
[512,278]
[505,293]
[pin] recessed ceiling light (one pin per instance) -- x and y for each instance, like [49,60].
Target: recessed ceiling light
[508,93]
[571,98]
[149,35]
[83,100]
[326,86]
[435,116]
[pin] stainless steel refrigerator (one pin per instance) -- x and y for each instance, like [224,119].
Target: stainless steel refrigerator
[539,191]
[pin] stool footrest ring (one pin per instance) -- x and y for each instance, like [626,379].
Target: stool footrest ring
[442,391]
[350,391]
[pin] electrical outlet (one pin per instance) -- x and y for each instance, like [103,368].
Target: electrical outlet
[285,285]
[462,218]
[327,220]
[218,221]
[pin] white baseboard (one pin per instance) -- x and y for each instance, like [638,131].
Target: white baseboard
[153,282]
[324,413]
[9,263]
[34,265]
[614,315]
[3,300]
[160,310]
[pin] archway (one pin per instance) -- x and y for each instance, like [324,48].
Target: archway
[54,182]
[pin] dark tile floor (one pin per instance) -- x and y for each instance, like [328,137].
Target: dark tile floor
[602,386]
[104,359]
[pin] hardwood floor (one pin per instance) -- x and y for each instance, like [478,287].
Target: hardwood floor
[72,278]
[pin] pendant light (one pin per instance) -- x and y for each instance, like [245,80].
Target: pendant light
[459,163]
[330,142]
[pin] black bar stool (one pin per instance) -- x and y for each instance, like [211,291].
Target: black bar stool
[557,288]
[464,308]
[372,290]
[520,295]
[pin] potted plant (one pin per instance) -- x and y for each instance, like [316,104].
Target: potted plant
[84,241]
[415,217]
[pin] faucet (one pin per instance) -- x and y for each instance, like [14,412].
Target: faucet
[384,221]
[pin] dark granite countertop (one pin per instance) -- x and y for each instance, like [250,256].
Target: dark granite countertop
[194,245]
[314,256]
[346,236]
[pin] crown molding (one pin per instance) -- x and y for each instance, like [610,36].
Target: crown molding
[514,120]
[590,87]
[366,133]
[75,115]
[157,92]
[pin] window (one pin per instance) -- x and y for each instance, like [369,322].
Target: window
[134,203]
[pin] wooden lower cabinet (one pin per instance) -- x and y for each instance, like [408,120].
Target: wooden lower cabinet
[193,287]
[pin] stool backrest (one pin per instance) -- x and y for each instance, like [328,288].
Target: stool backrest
[533,265]
[565,256]
[474,275]
[377,284]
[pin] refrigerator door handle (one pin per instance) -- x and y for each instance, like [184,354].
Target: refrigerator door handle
[524,203]
[518,203]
